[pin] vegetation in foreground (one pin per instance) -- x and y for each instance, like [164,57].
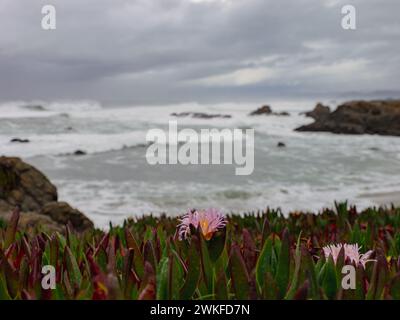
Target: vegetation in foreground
[257,256]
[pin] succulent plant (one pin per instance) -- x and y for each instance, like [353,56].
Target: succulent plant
[259,255]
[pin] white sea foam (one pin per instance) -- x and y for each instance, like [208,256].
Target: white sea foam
[65,144]
[310,173]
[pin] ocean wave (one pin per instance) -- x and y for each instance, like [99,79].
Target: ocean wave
[68,144]
[106,201]
[33,109]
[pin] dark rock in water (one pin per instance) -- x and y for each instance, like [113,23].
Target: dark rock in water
[80,153]
[284,114]
[263,110]
[35,107]
[210,116]
[181,115]
[19,140]
[63,213]
[319,111]
[266,110]
[200,115]
[360,117]
[281,145]
[23,186]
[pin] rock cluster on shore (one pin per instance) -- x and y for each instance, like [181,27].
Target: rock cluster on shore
[358,117]
[319,111]
[23,186]
[200,115]
[266,110]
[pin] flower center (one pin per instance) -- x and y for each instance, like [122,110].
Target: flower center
[204,229]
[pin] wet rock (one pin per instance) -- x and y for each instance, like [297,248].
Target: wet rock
[181,115]
[80,153]
[281,145]
[360,117]
[266,110]
[19,140]
[210,116]
[200,115]
[261,111]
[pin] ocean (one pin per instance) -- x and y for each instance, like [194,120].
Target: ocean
[113,180]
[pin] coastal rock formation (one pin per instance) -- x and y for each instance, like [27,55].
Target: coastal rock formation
[319,111]
[23,186]
[266,110]
[30,220]
[263,110]
[200,115]
[62,213]
[360,117]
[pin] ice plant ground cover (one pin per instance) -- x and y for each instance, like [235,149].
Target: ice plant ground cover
[262,255]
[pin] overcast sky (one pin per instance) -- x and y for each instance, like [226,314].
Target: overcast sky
[163,51]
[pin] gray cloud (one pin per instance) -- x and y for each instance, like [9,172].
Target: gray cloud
[161,51]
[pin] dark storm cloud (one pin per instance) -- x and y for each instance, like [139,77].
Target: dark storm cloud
[178,50]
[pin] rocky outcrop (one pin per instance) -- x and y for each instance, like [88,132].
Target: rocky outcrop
[266,110]
[200,115]
[23,186]
[62,213]
[360,117]
[319,111]
[261,111]
[31,220]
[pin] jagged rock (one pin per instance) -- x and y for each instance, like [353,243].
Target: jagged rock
[263,110]
[62,213]
[23,186]
[319,111]
[361,117]
[266,110]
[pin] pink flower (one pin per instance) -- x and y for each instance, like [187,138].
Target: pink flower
[208,221]
[351,252]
